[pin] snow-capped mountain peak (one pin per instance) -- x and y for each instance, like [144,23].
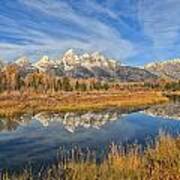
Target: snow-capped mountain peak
[44,63]
[70,59]
[22,61]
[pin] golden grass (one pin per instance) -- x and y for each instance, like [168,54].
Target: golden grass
[160,162]
[15,104]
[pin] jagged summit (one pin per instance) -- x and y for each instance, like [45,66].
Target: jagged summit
[44,63]
[95,59]
[70,51]
[22,61]
[70,59]
[98,56]
[44,60]
[85,56]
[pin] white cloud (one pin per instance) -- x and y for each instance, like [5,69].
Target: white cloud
[98,35]
[160,21]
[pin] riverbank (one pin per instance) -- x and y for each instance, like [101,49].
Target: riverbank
[159,162]
[15,104]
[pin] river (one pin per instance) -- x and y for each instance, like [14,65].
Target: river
[37,140]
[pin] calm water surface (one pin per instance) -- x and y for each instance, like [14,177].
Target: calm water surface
[37,139]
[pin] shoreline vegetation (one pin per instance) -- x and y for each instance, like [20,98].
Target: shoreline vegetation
[14,104]
[160,161]
[38,91]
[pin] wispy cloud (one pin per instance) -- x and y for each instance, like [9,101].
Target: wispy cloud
[95,35]
[160,21]
[130,30]
[93,7]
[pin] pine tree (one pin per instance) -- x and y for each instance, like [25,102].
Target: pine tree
[77,86]
[106,86]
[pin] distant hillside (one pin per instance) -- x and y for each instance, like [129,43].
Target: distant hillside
[168,69]
[127,73]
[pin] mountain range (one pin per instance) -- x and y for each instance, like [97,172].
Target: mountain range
[96,65]
[169,69]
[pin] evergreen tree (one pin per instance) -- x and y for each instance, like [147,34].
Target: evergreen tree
[66,86]
[59,85]
[77,86]
[105,86]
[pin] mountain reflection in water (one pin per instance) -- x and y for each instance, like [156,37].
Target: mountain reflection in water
[37,139]
[71,121]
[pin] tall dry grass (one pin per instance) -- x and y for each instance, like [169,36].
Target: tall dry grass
[161,162]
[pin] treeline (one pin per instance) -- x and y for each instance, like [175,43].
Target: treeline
[172,86]
[13,79]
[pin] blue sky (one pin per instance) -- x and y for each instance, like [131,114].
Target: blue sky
[135,32]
